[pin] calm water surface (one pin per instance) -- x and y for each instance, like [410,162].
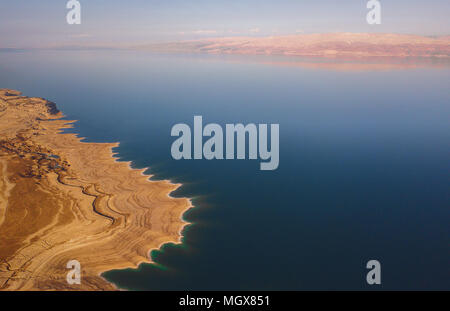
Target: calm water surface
[364,164]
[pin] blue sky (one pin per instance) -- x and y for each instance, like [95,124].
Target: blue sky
[26,23]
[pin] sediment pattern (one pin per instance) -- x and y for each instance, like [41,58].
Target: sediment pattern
[62,199]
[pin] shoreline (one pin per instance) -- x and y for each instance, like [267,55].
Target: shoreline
[186,223]
[116,211]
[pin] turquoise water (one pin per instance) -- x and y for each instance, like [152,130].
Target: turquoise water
[364,164]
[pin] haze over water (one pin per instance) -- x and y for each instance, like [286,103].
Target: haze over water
[363,164]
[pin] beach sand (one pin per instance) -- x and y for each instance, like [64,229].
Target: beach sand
[62,199]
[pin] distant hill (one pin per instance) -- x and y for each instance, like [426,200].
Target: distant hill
[353,45]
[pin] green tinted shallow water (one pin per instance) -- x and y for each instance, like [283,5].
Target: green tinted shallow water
[363,165]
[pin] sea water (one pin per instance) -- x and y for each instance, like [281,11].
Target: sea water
[363,171]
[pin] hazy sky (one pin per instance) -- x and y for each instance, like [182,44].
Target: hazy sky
[25,23]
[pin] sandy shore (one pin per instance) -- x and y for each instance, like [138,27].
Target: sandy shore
[62,199]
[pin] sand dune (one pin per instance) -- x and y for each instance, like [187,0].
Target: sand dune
[62,199]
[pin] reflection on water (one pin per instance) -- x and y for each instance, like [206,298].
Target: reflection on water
[344,64]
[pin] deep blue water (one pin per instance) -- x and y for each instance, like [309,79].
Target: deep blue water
[364,165]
